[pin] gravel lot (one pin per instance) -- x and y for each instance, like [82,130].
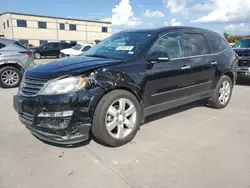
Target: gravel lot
[189,147]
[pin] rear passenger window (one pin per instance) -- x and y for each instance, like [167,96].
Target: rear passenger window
[170,45]
[2,45]
[217,43]
[56,46]
[196,44]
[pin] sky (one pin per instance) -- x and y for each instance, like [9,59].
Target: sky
[232,16]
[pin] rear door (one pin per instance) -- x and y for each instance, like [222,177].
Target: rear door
[55,49]
[203,67]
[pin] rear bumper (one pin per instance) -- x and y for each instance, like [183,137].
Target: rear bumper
[38,115]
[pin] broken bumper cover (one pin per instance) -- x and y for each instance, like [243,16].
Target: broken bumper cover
[61,119]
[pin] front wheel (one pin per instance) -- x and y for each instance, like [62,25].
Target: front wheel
[222,93]
[117,118]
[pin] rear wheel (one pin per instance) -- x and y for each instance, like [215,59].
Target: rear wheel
[222,93]
[116,119]
[37,55]
[10,77]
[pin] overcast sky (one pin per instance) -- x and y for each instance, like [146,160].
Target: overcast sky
[232,16]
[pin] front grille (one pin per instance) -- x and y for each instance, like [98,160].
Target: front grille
[27,118]
[243,55]
[244,63]
[31,86]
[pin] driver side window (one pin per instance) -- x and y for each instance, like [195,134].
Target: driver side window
[169,45]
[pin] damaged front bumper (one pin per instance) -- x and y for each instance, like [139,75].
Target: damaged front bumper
[63,119]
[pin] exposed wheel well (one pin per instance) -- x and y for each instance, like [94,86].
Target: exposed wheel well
[230,75]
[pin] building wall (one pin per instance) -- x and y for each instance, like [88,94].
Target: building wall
[87,31]
[7,32]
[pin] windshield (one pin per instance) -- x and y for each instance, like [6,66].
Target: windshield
[77,47]
[244,43]
[123,46]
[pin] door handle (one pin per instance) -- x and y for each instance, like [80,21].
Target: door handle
[185,67]
[214,63]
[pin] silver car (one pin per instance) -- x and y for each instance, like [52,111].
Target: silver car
[14,60]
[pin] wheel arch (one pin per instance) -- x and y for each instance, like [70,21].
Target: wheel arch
[230,74]
[13,65]
[121,82]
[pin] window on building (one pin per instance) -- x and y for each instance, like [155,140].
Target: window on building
[42,41]
[8,23]
[72,27]
[2,45]
[4,25]
[196,44]
[104,29]
[170,45]
[73,43]
[23,42]
[42,25]
[62,26]
[21,23]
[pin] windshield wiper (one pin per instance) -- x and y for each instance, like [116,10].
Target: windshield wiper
[100,56]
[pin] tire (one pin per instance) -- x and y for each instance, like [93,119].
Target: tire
[11,72]
[115,137]
[216,101]
[37,55]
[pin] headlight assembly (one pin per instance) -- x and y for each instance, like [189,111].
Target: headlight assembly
[65,85]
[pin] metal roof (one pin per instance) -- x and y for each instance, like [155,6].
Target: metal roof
[97,21]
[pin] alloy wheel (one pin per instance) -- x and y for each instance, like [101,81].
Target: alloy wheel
[224,92]
[10,77]
[121,118]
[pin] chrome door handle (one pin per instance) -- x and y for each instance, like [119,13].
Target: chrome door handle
[185,67]
[214,63]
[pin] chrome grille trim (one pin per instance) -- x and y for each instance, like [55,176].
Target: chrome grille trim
[31,86]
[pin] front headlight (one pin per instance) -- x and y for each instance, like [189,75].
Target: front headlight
[65,85]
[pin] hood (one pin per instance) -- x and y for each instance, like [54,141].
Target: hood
[69,66]
[71,51]
[242,51]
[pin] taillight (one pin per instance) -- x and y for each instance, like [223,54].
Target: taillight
[29,53]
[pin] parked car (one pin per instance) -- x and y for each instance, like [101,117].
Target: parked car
[76,50]
[14,60]
[50,49]
[118,82]
[242,48]
[29,46]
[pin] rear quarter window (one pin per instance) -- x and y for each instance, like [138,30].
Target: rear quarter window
[196,44]
[217,43]
[2,45]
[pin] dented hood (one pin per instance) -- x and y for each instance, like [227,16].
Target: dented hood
[69,66]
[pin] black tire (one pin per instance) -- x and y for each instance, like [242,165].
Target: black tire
[99,129]
[10,68]
[37,55]
[214,101]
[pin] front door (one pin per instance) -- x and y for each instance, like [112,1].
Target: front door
[171,79]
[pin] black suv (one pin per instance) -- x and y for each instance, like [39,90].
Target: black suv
[117,83]
[50,49]
[242,48]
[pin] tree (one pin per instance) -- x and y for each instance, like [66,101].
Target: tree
[226,35]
